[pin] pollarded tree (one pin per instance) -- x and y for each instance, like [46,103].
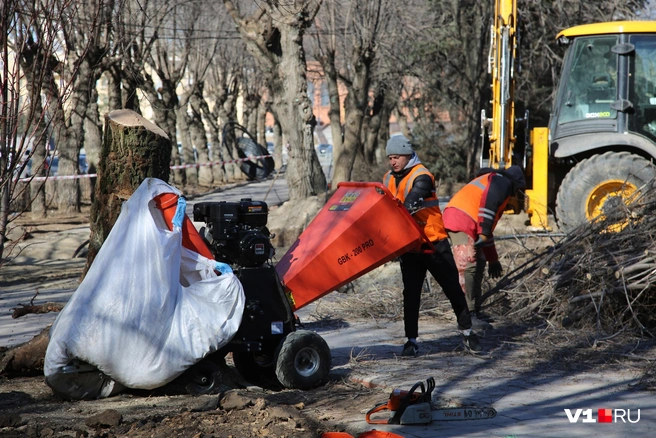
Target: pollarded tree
[86,35]
[215,44]
[165,65]
[222,84]
[274,35]
[204,40]
[348,34]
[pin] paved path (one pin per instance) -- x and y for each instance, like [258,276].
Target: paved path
[20,330]
[529,401]
[273,191]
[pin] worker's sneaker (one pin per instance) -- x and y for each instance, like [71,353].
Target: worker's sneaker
[471,342]
[410,349]
[480,324]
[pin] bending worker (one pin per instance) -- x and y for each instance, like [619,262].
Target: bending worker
[411,183]
[470,218]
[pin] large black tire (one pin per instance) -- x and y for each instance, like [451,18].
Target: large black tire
[258,169]
[303,360]
[257,368]
[599,184]
[203,378]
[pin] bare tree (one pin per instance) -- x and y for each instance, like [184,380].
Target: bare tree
[324,49]
[36,87]
[203,44]
[350,32]
[86,31]
[454,77]
[133,39]
[222,86]
[376,128]
[274,36]
[168,62]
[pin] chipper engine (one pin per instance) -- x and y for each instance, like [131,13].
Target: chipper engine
[269,344]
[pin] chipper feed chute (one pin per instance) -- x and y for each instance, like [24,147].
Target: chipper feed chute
[168,203]
[360,228]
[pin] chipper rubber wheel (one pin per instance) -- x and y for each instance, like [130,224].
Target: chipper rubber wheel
[599,184]
[203,378]
[303,360]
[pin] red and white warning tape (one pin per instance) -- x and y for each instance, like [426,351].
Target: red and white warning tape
[212,163]
[182,166]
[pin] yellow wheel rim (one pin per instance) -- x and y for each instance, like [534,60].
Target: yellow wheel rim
[607,194]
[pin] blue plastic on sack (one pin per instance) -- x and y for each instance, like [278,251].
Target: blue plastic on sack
[179,213]
[223,268]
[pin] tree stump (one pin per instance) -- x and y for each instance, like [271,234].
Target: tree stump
[133,149]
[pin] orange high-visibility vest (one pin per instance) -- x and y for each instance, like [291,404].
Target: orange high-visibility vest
[429,218]
[470,200]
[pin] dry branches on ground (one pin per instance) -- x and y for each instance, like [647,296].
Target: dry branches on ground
[42,308]
[601,275]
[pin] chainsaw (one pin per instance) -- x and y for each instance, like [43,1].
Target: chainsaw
[415,407]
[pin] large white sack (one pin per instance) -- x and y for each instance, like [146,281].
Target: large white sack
[131,317]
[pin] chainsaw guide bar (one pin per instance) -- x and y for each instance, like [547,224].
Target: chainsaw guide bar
[464,413]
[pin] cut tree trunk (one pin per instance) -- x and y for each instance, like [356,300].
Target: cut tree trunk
[27,358]
[133,149]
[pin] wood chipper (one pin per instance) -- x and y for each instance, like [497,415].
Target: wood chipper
[355,232]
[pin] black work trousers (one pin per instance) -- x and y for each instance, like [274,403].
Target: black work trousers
[443,268]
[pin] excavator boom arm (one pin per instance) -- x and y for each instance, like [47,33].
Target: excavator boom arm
[503,52]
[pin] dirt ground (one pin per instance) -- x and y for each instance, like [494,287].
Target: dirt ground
[29,408]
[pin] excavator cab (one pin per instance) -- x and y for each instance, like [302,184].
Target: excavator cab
[602,130]
[588,87]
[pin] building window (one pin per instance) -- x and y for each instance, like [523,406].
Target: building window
[310,86]
[325,96]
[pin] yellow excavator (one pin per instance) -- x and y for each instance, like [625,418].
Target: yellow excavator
[599,148]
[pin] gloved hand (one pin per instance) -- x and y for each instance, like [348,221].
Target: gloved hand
[481,240]
[412,209]
[494,269]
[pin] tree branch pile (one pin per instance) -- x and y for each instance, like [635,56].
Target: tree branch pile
[602,275]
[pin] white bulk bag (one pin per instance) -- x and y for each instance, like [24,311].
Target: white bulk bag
[131,317]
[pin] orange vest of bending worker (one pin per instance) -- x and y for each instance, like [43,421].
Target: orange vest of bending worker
[469,198]
[429,218]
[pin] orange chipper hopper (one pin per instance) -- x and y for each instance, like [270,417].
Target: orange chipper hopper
[360,228]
